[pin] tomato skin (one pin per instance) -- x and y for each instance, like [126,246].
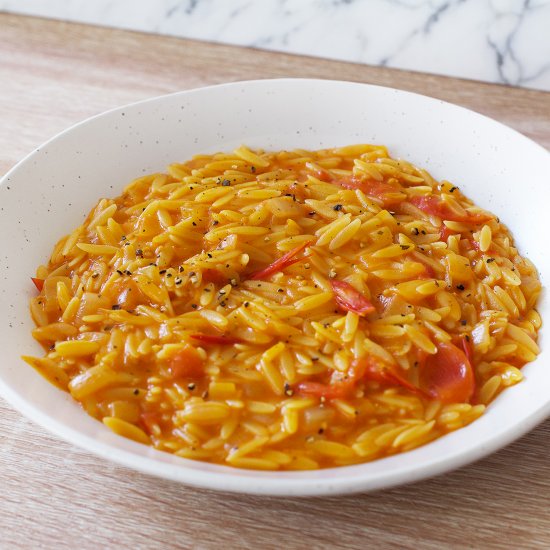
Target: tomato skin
[215,339]
[38,283]
[186,363]
[376,371]
[431,204]
[448,375]
[350,299]
[367,368]
[335,390]
[371,188]
[467,348]
[281,263]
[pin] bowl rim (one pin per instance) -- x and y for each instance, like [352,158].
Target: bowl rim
[276,483]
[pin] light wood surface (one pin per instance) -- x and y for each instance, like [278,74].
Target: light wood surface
[53,495]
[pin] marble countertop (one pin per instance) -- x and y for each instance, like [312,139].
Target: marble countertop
[502,41]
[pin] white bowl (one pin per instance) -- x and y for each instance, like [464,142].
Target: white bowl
[49,192]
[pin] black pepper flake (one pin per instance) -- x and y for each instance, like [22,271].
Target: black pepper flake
[178,281]
[460,287]
[123,238]
[215,222]
[288,390]
[467,337]
[337,207]
[162,271]
[463,322]
[139,253]
[423,232]
[194,224]
[191,386]
[253,169]
[226,183]
[320,431]
[194,306]
[280,290]
[246,304]
[95,275]
[453,189]
[168,274]
[405,246]
[209,255]
[315,359]
[115,307]
[310,213]
[128,272]
[136,392]
[489,260]
[119,272]
[415,230]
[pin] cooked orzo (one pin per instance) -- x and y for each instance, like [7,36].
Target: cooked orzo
[289,310]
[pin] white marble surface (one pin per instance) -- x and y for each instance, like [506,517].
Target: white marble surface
[504,41]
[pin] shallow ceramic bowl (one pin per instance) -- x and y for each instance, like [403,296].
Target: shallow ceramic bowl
[47,194]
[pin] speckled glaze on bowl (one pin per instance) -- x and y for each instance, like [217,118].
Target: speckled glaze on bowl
[48,193]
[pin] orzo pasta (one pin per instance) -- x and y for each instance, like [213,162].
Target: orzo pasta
[288,310]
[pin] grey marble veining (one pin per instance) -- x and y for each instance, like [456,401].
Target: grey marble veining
[504,41]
